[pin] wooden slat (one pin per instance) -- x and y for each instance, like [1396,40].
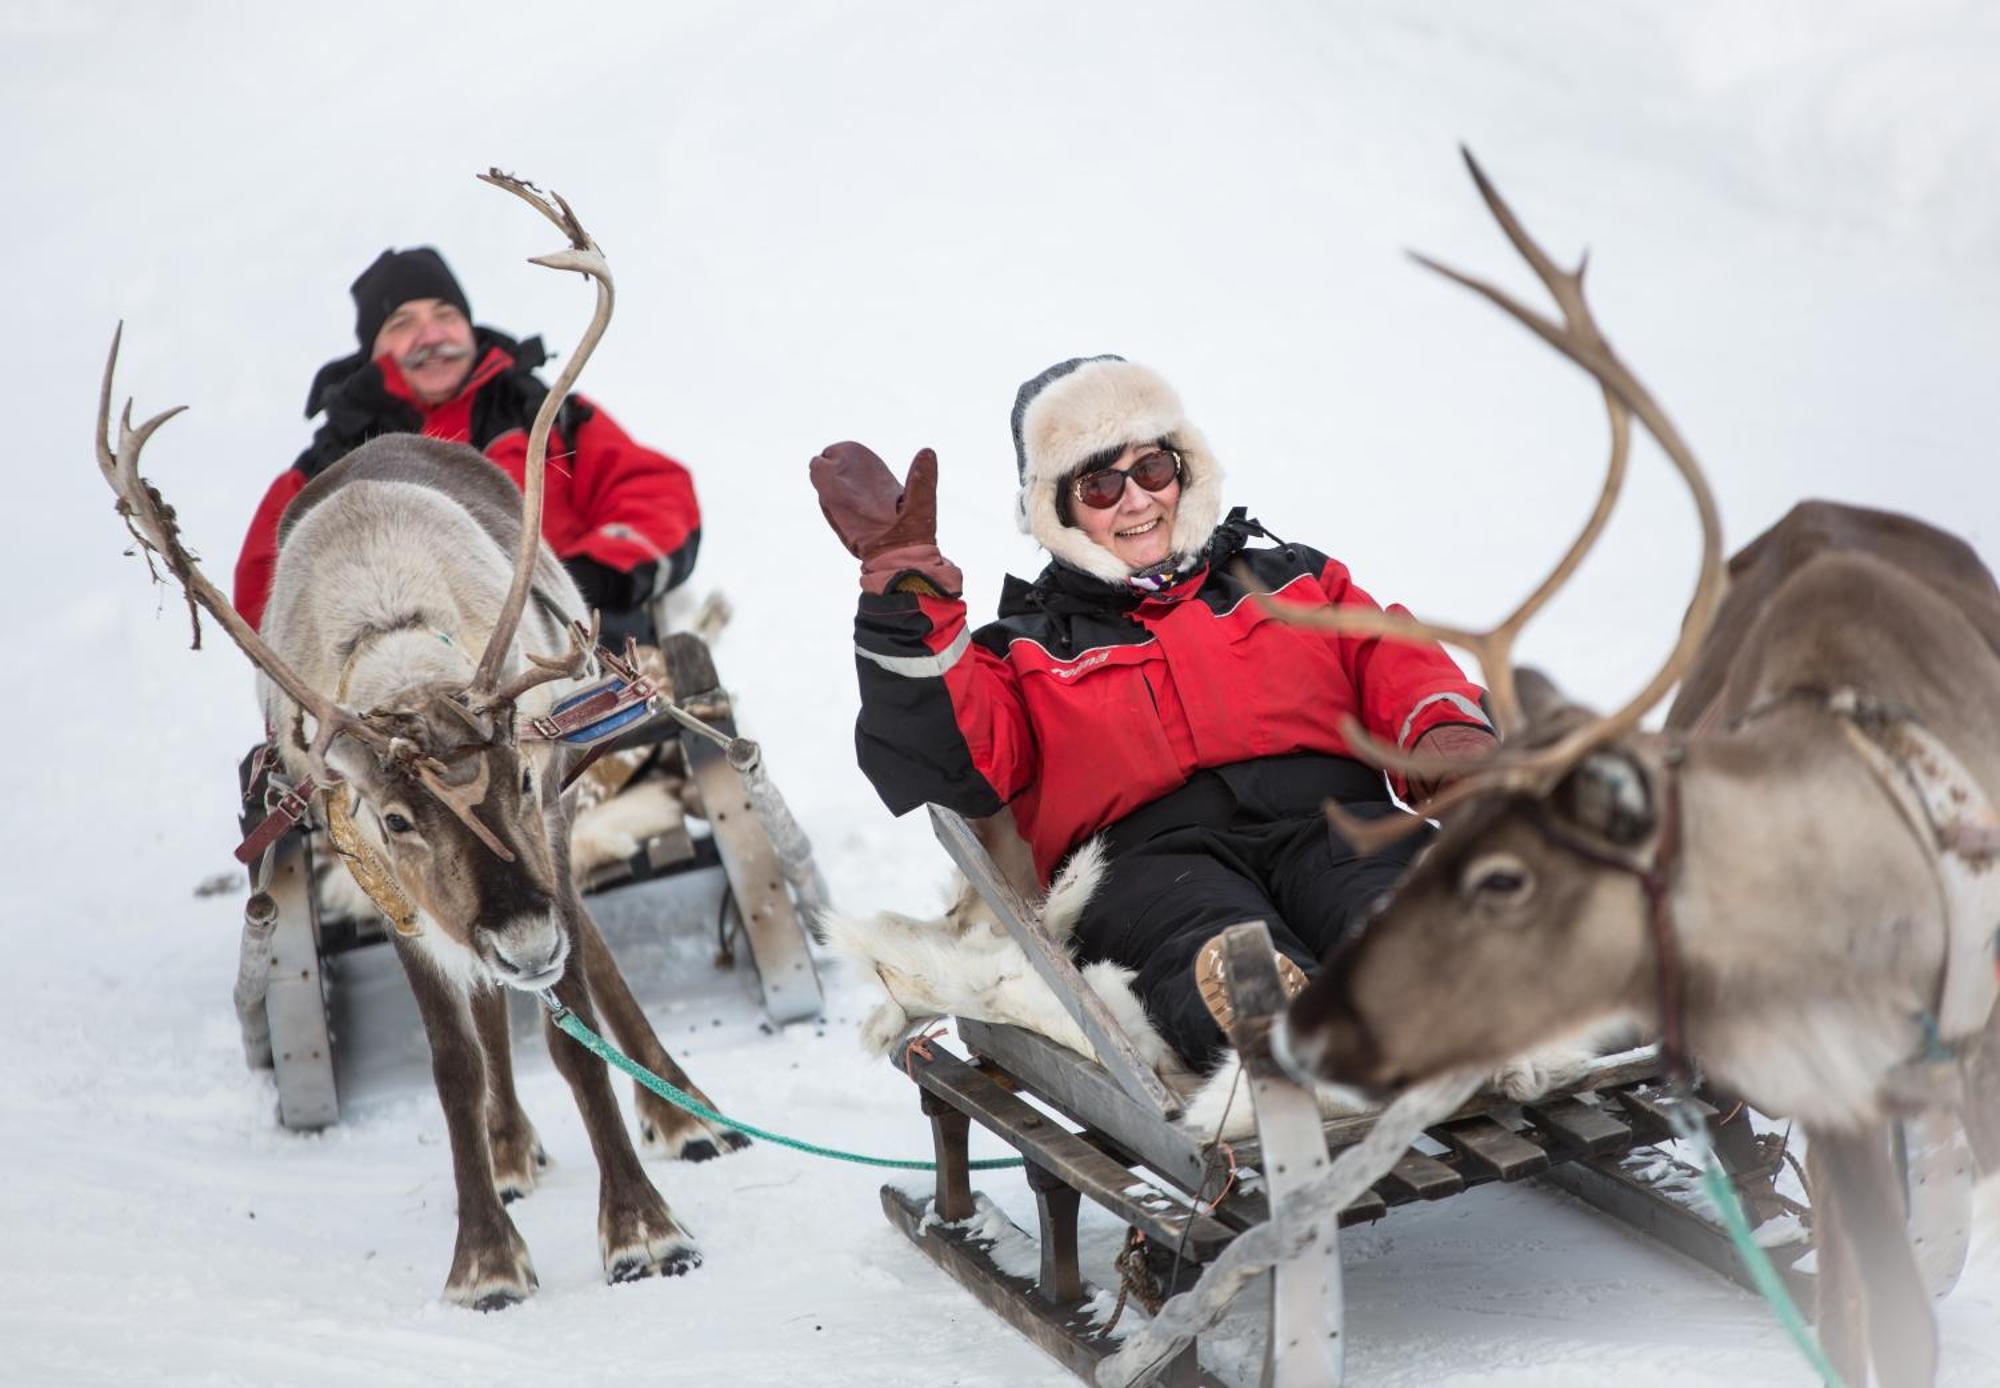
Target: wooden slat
[1489,1150]
[1646,1108]
[1085,1092]
[1365,1209]
[1068,1334]
[1418,1177]
[1120,1058]
[1068,1156]
[1602,1182]
[1579,1127]
[1606,1072]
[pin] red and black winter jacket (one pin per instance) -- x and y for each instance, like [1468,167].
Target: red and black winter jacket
[608,499]
[1084,701]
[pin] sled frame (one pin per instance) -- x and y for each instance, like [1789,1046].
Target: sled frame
[735,871]
[1125,1154]
[772,924]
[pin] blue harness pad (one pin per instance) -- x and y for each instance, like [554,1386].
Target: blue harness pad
[611,724]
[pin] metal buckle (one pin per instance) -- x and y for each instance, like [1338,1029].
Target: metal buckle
[280,798]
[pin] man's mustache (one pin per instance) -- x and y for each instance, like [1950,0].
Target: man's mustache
[440,351]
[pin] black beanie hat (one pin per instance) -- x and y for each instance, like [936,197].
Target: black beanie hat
[393,280]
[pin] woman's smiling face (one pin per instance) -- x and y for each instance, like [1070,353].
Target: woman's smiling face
[1139,528]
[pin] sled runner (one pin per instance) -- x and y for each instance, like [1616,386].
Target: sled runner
[1187,1203]
[751,875]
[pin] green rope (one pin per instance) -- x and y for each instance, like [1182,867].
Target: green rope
[680,1098]
[1687,1126]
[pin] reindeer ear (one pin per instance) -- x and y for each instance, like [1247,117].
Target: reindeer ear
[1540,699]
[1609,797]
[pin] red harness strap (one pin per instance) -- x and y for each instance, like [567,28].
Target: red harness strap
[288,810]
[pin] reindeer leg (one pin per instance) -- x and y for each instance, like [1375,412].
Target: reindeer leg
[518,1158]
[1856,1171]
[489,1265]
[663,1127]
[636,1232]
[1839,1312]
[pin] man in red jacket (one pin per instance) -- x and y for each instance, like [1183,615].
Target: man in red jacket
[623,518]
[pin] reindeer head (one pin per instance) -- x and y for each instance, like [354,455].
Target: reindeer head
[1524,921]
[464,819]
[445,807]
[1527,918]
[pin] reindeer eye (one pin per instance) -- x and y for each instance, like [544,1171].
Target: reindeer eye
[527,781]
[1498,879]
[397,823]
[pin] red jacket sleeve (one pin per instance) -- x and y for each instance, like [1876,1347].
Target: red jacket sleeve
[259,558]
[636,504]
[1405,688]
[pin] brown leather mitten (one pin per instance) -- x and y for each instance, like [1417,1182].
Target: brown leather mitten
[890,527]
[1459,742]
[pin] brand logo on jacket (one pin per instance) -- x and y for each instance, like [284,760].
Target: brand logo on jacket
[1089,662]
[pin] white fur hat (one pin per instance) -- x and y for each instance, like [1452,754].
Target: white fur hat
[1085,406]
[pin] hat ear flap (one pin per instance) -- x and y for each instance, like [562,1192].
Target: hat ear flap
[1609,797]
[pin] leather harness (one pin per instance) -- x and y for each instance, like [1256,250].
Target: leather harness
[1945,808]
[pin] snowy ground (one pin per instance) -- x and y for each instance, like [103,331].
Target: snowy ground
[872,220]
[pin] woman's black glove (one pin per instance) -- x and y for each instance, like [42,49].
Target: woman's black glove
[608,589]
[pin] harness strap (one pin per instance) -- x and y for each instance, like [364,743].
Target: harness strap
[1656,878]
[582,713]
[286,810]
[1958,829]
[369,872]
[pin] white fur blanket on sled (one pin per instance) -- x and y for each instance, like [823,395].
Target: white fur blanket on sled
[965,964]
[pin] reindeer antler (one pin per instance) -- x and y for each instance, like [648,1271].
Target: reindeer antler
[157,530]
[1577,337]
[1494,647]
[542,669]
[581,255]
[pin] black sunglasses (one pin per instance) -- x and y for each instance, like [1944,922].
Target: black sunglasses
[1100,490]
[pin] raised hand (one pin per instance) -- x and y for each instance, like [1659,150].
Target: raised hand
[890,526]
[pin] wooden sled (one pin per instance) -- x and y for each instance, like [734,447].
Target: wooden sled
[1120,1148]
[734,880]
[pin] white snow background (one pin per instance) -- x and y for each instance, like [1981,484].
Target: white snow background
[871,220]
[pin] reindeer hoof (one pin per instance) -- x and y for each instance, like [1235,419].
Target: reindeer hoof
[678,1263]
[493,1275]
[695,1141]
[517,1166]
[499,1300]
[645,1243]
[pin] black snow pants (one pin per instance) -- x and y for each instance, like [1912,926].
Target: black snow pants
[1236,843]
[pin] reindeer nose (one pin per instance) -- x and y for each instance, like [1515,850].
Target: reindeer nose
[532,962]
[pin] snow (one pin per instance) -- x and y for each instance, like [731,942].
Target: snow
[871,219]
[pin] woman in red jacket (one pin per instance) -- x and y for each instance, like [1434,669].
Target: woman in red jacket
[1135,691]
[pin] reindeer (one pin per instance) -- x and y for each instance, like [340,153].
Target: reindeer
[398,669]
[1795,882]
